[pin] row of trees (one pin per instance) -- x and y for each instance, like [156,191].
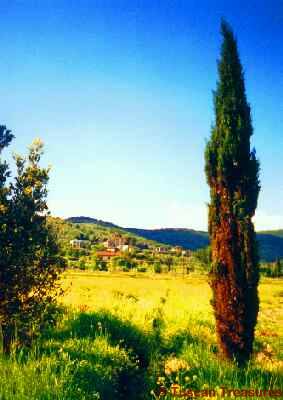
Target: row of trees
[29,260]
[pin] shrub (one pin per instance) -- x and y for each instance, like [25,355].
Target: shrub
[272,270]
[82,264]
[29,255]
[102,265]
[157,268]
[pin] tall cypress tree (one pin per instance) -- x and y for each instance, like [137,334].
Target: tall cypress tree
[232,172]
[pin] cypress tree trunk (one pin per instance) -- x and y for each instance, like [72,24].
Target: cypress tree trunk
[232,174]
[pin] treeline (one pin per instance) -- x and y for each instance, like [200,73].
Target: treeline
[273,269]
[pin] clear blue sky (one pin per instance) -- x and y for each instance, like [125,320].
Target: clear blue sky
[120,92]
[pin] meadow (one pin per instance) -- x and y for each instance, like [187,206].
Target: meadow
[126,335]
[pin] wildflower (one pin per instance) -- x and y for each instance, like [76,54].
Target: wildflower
[195,377]
[83,308]
[83,363]
[261,357]
[269,349]
[160,380]
[174,365]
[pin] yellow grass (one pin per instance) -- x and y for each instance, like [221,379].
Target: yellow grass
[187,300]
[124,336]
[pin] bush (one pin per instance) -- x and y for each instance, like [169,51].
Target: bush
[157,268]
[102,265]
[93,266]
[82,264]
[272,270]
[203,256]
[124,263]
[141,269]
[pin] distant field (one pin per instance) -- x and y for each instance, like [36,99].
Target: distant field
[186,297]
[124,336]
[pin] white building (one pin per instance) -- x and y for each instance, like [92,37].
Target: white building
[79,244]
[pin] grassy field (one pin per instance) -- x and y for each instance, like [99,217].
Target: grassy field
[125,336]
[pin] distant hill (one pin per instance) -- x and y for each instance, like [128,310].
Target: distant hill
[278,233]
[187,238]
[270,245]
[270,242]
[94,230]
[89,220]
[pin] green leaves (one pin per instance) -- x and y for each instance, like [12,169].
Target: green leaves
[232,172]
[228,157]
[29,260]
[5,137]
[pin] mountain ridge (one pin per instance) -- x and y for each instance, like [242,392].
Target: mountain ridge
[270,241]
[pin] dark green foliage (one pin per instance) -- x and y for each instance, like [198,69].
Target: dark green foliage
[102,265]
[82,264]
[82,236]
[232,174]
[157,267]
[204,257]
[272,270]
[141,269]
[29,262]
[168,261]
[126,262]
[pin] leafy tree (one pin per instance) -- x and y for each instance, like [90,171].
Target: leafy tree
[126,262]
[102,265]
[232,172]
[29,261]
[273,269]
[82,263]
[203,255]
[168,261]
[157,267]
[82,236]
[278,268]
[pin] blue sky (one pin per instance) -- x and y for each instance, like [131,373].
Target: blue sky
[121,94]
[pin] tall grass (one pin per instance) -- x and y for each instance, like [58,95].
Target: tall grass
[125,336]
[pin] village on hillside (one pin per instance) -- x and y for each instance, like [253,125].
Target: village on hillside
[118,252]
[104,247]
